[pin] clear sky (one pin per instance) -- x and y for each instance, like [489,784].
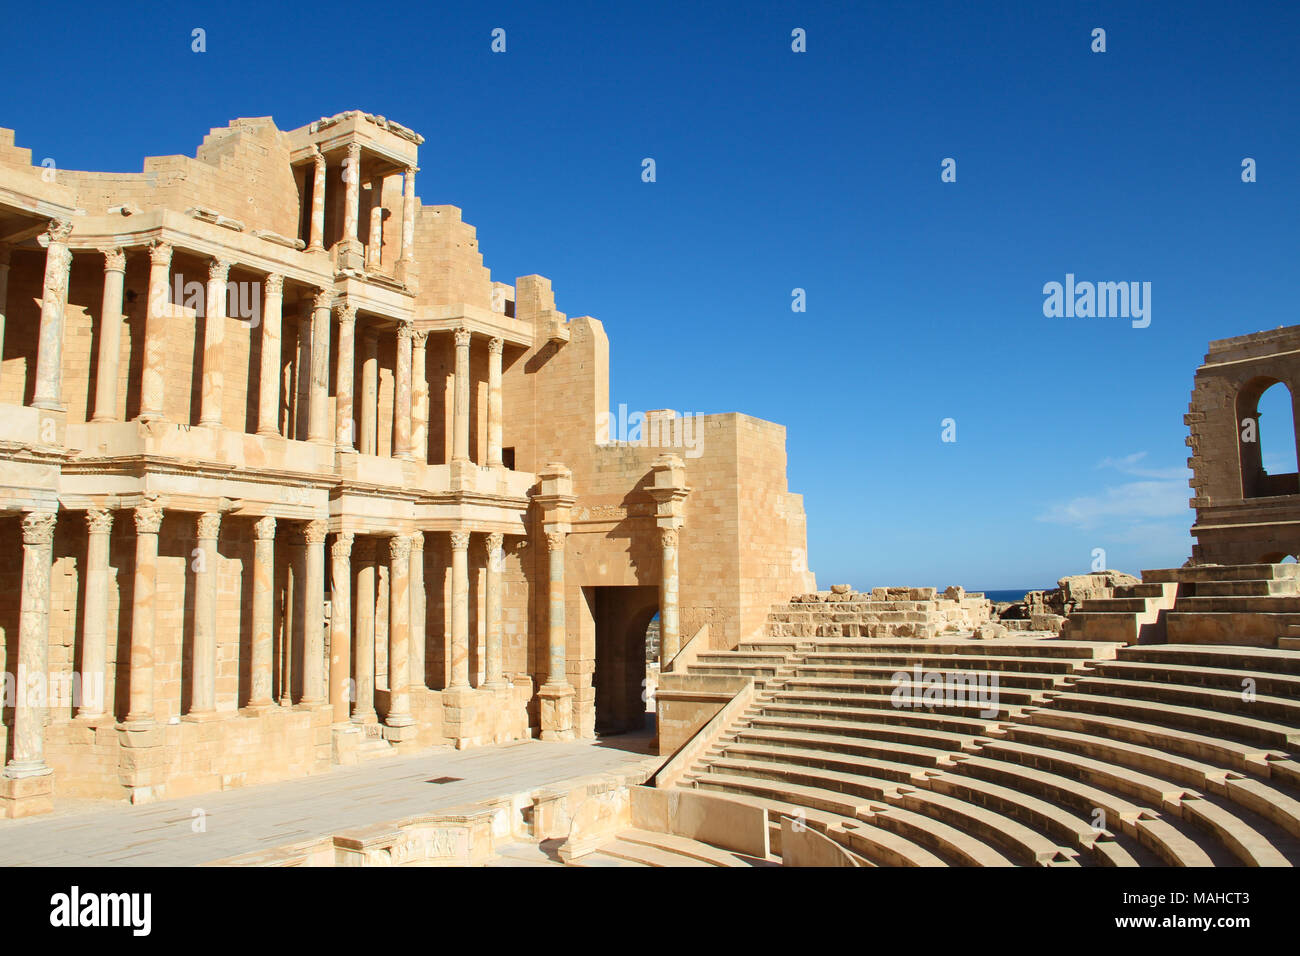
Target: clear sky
[778,170]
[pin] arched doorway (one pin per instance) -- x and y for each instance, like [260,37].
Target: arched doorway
[1266,439]
[623,617]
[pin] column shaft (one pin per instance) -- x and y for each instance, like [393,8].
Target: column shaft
[399,632]
[402,393]
[460,430]
[495,349]
[148,519]
[153,376]
[318,205]
[94,628]
[344,421]
[375,245]
[352,205]
[364,711]
[263,611]
[318,403]
[110,336]
[459,609]
[203,673]
[408,215]
[31,699]
[268,387]
[556,674]
[48,392]
[669,632]
[417,668]
[370,395]
[4,292]
[495,561]
[214,338]
[419,399]
[341,625]
[313,621]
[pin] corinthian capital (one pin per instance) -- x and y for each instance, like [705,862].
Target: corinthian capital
[38,527]
[148,519]
[399,547]
[114,259]
[342,546]
[99,520]
[462,338]
[668,537]
[315,531]
[555,540]
[160,253]
[264,528]
[209,526]
[59,231]
[275,284]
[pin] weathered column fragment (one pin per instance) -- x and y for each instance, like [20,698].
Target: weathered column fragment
[110,336]
[48,392]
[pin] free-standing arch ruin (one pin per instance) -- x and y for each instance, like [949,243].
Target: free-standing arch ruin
[1244,514]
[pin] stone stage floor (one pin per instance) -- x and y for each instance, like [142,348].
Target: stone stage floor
[101,833]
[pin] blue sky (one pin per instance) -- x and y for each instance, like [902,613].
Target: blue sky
[820,170]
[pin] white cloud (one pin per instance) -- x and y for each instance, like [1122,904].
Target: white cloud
[1161,493]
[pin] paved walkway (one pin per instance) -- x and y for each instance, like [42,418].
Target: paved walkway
[261,817]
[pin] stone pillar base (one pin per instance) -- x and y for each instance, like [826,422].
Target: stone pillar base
[464,474]
[459,710]
[398,733]
[142,760]
[349,254]
[26,796]
[556,711]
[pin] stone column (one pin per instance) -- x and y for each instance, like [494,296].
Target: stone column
[556,676]
[291,624]
[263,611]
[408,216]
[341,624]
[94,628]
[364,710]
[370,394]
[110,336]
[399,637]
[318,403]
[148,519]
[352,202]
[203,692]
[375,247]
[459,610]
[153,376]
[54,301]
[313,618]
[419,398]
[495,349]
[4,291]
[318,205]
[214,338]
[268,386]
[495,564]
[669,631]
[460,429]
[344,424]
[418,603]
[402,392]
[31,700]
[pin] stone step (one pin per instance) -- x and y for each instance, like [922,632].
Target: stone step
[1044,647]
[1170,844]
[1244,841]
[809,729]
[1247,588]
[1210,604]
[1263,733]
[1283,713]
[884,676]
[683,846]
[1045,815]
[987,662]
[939,836]
[826,709]
[1265,682]
[854,746]
[1119,627]
[1020,842]
[1245,628]
[1201,655]
[952,696]
[1229,572]
[646,855]
[1245,758]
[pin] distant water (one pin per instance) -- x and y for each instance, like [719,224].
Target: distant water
[1010,597]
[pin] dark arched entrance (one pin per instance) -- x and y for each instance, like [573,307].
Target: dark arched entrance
[622,615]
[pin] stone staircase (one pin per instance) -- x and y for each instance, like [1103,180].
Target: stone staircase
[1036,752]
[1249,605]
